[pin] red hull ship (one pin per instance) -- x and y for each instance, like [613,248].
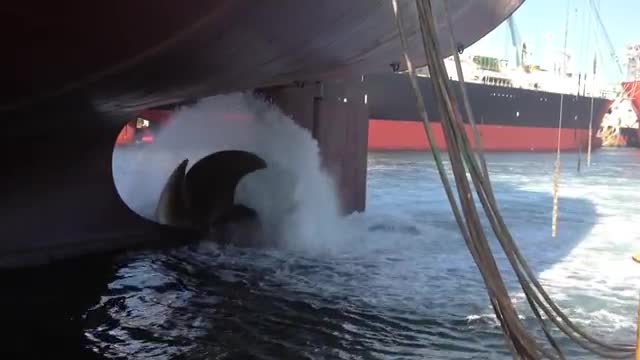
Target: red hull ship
[409,135]
[632,90]
[515,109]
[631,86]
[509,119]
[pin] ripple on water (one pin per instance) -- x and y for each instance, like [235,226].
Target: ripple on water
[403,286]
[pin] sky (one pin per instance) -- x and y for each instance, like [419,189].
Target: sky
[541,24]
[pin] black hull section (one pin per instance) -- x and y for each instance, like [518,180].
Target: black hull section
[78,71]
[129,56]
[391,97]
[631,136]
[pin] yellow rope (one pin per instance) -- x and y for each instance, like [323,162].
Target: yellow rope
[590,135]
[636,258]
[556,176]
[554,214]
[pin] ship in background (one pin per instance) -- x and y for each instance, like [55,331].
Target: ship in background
[516,105]
[621,127]
[632,83]
[516,108]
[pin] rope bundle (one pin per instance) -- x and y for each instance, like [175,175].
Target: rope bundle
[520,342]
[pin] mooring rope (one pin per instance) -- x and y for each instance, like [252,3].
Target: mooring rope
[465,97]
[521,344]
[511,244]
[591,112]
[556,175]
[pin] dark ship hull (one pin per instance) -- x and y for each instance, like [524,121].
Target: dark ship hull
[78,71]
[509,119]
[123,57]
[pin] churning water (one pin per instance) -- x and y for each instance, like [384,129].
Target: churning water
[398,281]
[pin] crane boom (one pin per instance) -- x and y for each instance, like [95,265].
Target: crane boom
[515,39]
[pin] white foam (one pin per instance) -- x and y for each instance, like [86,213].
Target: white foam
[294,196]
[405,256]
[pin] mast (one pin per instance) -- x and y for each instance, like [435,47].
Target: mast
[566,38]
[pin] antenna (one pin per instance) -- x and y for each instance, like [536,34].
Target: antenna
[566,37]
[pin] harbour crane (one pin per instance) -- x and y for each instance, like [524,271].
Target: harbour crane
[516,41]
